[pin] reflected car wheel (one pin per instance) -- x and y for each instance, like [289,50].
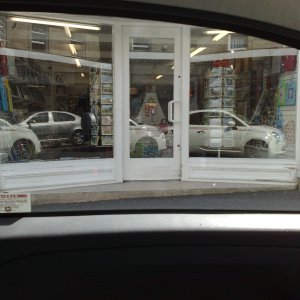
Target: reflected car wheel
[78,138]
[146,147]
[256,149]
[22,150]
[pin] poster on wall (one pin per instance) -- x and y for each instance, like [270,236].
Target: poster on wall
[106,120]
[106,88]
[106,109]
[107,140]
[287,89]
[289,132]
[106,99]
[101,101]
[106,130]
[150,112]
[106,77]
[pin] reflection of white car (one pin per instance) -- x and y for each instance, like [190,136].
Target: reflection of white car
[146,140]
[17,143]
[215,130]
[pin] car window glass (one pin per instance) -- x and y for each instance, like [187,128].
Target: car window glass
[238,123]
[62,117]
[196,118]
[40,118]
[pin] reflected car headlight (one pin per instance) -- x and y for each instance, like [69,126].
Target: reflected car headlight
[279,137]
[276,135]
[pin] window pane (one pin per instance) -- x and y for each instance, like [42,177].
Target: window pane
[39,37]
[40,118]
[63,71]
[62,117]
[247,88]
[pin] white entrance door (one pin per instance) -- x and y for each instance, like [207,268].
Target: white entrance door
[152,89]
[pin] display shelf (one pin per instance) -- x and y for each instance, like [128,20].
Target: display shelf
[219,94]
[30,72]
[60,92]
[219,88]
[101,101]
[25,78]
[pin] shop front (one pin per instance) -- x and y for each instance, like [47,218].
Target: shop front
[90,100]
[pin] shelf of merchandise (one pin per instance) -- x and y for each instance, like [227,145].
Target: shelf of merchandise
[24,78]
[60,94]
[219,94]
[101,100]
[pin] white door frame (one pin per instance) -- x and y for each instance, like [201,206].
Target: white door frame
[152,168]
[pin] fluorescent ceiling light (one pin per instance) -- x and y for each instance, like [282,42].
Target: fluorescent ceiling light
[198,50]
[213,31]
[68,32]
[54,23]
[73,49]
[159,76]
[77,62]
[219,34]
[37,42]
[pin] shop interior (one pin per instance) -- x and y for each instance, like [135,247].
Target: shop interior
[49,68]
[70,70]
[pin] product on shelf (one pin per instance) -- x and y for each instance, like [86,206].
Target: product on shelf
[219,95]
[101,101]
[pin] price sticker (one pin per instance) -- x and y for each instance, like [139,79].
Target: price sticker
[15,202]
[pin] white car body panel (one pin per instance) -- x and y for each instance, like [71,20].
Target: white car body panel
[202,137]
[9,134]
[140,131]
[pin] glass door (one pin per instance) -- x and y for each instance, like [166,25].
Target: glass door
[152,103]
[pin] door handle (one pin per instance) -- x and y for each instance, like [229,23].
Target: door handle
[200,131]
[171,112]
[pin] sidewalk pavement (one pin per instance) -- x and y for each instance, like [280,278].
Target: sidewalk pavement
[144,189]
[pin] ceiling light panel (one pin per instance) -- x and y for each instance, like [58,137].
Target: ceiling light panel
[54,23]
[198,50]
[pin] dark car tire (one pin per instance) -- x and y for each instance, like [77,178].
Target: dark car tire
[146,147]
[256,149]
[22,150]
[78,138]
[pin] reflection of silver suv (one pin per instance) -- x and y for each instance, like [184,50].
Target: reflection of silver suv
[55,126]
[216,130]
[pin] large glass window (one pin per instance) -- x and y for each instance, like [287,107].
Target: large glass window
[242,96]
[56,82]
